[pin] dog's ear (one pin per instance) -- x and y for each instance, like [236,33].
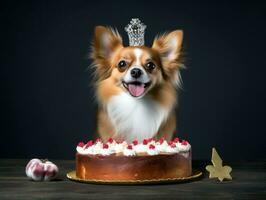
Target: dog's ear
[106,41]
[169,47]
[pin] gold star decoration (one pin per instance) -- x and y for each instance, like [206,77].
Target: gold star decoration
[217,170]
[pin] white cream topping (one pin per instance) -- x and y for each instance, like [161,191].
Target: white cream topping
[106,151]
[114,147]
[152,152]
[88,150]
[129,152]
[162,147]
[140,148]
[97,148]
[170,149]
[183,148]
[119,148]
[80,150]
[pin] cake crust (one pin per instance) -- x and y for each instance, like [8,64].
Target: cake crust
[146,167]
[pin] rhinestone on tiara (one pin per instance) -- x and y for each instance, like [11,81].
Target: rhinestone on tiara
[135,31]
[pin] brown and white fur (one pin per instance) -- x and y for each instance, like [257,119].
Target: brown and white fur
[136,105]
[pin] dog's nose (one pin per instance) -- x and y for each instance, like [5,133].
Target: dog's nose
[136,73]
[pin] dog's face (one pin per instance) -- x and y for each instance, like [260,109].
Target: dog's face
[136,70]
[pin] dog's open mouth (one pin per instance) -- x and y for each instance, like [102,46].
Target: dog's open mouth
[136,88]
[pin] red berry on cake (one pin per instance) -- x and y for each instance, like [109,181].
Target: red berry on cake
[173,145]
[145,142]
[119,141]
[170,143]
[176,140]
[129,147]
[105,146]
[151,146]
[184,142]
[98,140]
[89,144]
[161,140]
[81,144]
[135,142]
[110,140]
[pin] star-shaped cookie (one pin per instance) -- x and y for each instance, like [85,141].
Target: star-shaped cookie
[217,170]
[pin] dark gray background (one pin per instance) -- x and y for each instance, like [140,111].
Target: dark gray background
[47,102]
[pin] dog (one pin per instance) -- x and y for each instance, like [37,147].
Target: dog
[136,86]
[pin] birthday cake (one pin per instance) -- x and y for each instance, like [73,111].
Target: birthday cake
[145,160]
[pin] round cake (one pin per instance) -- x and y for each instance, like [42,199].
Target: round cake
[146,160]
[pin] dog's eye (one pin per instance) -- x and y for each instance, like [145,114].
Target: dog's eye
[150,66]
[122,65]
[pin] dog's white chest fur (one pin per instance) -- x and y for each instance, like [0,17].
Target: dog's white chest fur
[135,118]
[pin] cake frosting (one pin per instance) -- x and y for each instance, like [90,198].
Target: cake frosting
[129,151]
[140,160]
[145,147]
[152,150]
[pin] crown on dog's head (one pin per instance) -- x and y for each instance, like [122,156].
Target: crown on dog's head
[136,31]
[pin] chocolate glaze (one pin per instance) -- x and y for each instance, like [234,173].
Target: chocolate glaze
[114,167]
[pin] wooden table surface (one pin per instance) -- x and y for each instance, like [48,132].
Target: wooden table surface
[249,182]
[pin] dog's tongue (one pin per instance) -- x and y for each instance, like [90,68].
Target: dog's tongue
[136,90]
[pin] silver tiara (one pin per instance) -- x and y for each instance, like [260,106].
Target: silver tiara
[135,31]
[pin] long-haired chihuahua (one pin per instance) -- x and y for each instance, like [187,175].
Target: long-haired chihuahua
[136,86]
